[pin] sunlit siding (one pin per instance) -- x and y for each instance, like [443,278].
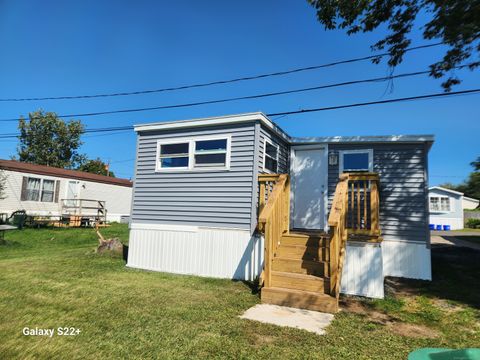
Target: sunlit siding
[221,198]
[403,188]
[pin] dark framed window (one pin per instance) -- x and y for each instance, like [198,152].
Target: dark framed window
[270,162]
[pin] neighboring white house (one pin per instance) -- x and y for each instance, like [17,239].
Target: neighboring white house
[470,203]
[42,190]
[446,207]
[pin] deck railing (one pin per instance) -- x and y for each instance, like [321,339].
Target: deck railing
[274,217]
[354,211]
[78,208]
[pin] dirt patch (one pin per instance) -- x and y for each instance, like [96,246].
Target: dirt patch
[446,306]
[354,306]
[412,331]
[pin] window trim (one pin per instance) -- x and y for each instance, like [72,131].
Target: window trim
[191,153]
[356,151]
[265,155]
[440,211]
[40,191]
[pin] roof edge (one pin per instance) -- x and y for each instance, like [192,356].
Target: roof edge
[427,138]
[445,189]
[213,121]
[28,168]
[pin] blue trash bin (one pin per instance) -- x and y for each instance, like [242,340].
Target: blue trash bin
[432,226]
[446,227]
[438,227]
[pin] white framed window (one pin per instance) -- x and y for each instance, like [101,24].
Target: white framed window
[440,204]
[356,160]
[270,157]
[38,189]
[198,153]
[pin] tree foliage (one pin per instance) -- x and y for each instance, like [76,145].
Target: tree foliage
[3,181]
[455,22]
[45,139]
[471,187]
[96,166]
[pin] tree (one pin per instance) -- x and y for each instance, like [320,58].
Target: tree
[471,187]
[3,180]
[455,22]
[47,140]
[96,166]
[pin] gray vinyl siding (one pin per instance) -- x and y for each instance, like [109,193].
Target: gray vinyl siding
[403,183]
[283,151]
[220,198]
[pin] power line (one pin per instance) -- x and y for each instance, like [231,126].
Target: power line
[248,97]
[219,82]
[410,98]
[303,111]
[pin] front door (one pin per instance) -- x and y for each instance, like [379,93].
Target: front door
[72,192]
[309,177]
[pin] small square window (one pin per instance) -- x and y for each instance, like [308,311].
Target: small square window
[356,160]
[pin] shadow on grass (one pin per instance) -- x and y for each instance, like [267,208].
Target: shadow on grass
[455,272]
[252,285]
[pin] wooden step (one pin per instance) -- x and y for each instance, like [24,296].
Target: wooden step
[299,266]
[290,280]
[313,253]
[303,240]
[299,299]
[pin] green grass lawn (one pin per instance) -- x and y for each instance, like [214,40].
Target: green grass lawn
[52,278]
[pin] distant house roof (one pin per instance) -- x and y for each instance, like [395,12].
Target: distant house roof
[471,199]
[63,173]
[445,189]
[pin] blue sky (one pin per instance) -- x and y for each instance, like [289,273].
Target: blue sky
[52,48]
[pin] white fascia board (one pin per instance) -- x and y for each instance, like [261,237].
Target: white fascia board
[363,139]
[471,199]
[214,121]
[444,189]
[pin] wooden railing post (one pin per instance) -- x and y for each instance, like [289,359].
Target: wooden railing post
[261,200]
[374,207]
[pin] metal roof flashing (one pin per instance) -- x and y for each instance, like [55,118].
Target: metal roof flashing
[214,121]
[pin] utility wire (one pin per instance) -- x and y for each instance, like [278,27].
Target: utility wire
[303,111]
[248,97]
[245,78]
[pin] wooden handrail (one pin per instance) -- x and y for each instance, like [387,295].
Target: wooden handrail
[354,210]
[274,216]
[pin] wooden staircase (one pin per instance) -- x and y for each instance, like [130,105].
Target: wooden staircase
[299,273]
[303,269]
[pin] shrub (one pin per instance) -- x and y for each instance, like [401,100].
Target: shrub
[473,223]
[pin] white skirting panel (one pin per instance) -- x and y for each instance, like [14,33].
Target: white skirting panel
[213,252]
[363,270]
[408,260]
